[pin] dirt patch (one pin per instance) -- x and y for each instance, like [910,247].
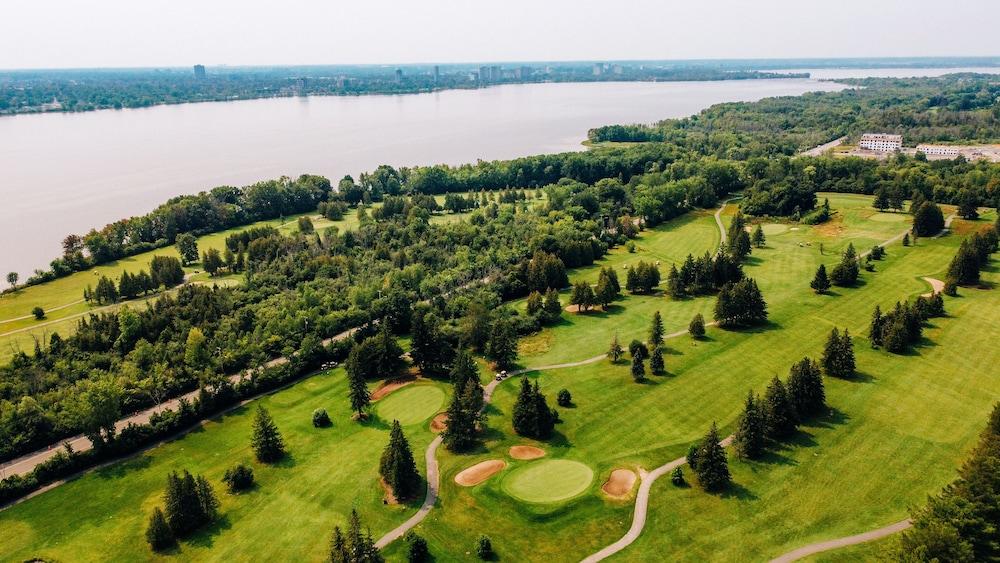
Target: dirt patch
[440,422]
[388,497]
[937,286]
[479,472]
[832,228]
[526,452]
[389,387]
[576,309]
[620,483]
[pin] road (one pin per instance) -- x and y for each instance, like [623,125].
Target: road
[820,547]
[819,150]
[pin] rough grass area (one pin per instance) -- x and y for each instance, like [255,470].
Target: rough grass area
[288,515]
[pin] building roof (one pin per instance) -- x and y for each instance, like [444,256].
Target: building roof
[881,137]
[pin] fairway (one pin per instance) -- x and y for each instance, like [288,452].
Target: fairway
[411,405]
[548,481]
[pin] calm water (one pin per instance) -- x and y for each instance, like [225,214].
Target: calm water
[66,173]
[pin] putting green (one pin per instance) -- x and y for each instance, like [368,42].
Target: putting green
[889,217]
[546,481]
[774,228]
[411,404]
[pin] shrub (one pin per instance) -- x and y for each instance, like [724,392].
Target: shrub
[484,548]
[320,418]
[677,476]
[417,551]
[38,312]
[238,478]
[697,326]
[630,246]
[563,398]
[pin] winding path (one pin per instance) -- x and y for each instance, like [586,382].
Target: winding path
[828,545]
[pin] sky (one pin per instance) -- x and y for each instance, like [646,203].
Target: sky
[131,33]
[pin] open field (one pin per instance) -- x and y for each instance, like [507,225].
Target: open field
[289,514]
[62,299]
[893,435]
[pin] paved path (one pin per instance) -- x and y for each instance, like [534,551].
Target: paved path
[718,221]
[46,310]
[937,286]
[820,149]
[28,462]
[642,506]
[820,547]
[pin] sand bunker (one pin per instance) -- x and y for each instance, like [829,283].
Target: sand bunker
[389,388]
[620,483]
[440,422]
[937,286]
[526,452]
[479,472]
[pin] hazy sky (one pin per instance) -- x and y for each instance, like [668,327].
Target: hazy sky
[104,33]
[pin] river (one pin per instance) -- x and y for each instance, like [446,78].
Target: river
[66,173]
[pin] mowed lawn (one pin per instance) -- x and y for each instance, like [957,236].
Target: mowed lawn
[289,515]
[617,423]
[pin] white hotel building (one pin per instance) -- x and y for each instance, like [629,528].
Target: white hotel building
[938,150]
[881,142]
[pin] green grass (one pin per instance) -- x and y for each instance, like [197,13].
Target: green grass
[547,481]
[288,516]
[412,404]
[893,435]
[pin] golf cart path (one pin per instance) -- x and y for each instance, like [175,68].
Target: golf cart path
[937,286]
[838,543]
[59,308]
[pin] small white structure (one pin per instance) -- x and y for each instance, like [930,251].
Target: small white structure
[938,150]
[881,142]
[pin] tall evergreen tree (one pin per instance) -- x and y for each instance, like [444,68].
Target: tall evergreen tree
[266,440]
[397,467]
[656,360]
[463,369]
[697,326]
[552,307]
[781,416]
[502,345]
[158,533]
[460,432]
[751,429]
[638,370]
[656,330]
[357,388]
[582,296]
[712,466]
[805,388]
[429,349]
[838,354]
[820,283]
[758,239]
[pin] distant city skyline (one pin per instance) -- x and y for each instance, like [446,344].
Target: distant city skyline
[157,33]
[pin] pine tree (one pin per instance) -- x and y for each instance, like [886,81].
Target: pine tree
[582,296]
[207,500]
[656,330]
[429,350]
[675,286]
[638,369]
[781,416]
[463,369]
[697,326]
[552,307]
[820,283]
[656,360]
[338,547]
[266,441]
[158,533]
[805,388]
[741,247]
[460,432]
[416,550]
[360,548]
[522,415]
[838,355]
[397,467]
[713,467]
[502,344]
[876,327]
[758,239]
[545,419]
[751,429]
[484,549]
[615,352]
[357,387]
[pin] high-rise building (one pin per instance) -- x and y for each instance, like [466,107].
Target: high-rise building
[437,73]
[399,75]
[597,69]
[199,71]
[485,75]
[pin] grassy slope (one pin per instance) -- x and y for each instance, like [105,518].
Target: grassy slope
[102,515]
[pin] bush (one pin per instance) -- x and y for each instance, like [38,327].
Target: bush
[417,551]
[677,476]
[630,246]
[697,326]
[484,548]
[38,312]
[563,398]
[238,478]
[320,418]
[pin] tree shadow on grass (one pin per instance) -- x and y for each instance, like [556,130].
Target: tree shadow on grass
[559,440]
[738,492]
[831,418]
[375,421]
[858,377]
[206,536]
[287,461]
[121,468]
